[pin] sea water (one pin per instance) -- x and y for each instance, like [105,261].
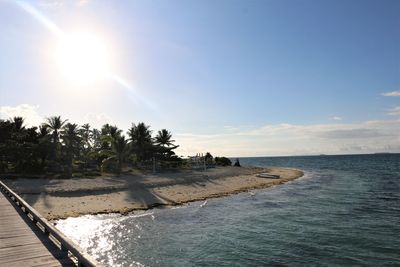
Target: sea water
[344,211]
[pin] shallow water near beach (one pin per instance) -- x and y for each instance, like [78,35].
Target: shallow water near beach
[344,211]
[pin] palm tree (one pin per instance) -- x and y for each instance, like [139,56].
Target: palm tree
[43,130]
[98,147]
[18,123]
[108,134]
[55,124]
[95,137]
[17,136]
[85,134]
[103,140]
[44,144]
[141,141]
[5,148]
[71,142]
[17,142]
[120,149]
[165,144]
[163,138]
[115,132]
[17,145]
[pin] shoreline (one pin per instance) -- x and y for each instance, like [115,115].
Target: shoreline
[59,199]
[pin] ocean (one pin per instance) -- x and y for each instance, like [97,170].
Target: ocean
[344,211]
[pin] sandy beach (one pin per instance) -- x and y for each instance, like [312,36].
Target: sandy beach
[62,198]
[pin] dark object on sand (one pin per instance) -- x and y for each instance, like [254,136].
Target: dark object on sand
[222,161]
[237,163]
[267,175]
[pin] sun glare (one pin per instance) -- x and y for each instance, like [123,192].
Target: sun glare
[83,58]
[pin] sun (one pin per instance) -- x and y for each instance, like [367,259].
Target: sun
[83,58]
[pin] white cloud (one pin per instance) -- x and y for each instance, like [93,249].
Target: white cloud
[292,139]
[28,112]
[394,93]
[394,111]
[230,128]
[336,118]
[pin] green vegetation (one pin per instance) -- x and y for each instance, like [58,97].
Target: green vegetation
[209,158]
[222,161]
[59,147]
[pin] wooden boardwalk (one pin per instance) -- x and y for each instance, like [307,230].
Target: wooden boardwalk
[22,243]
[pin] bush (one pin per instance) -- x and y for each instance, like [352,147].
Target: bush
[222,161]
[109,165]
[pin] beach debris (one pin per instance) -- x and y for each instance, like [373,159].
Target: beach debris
[203,204]
[267,175]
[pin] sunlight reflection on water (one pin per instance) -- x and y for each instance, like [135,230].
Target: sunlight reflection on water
[96,234]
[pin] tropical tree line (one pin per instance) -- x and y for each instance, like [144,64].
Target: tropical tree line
[62,148]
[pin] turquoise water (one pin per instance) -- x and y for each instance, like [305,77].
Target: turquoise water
[344,211]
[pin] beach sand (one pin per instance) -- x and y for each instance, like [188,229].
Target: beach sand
[62,198]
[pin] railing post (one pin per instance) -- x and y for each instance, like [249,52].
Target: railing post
[62,247]
[154,165]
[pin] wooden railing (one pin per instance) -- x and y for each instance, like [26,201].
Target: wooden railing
[59,239]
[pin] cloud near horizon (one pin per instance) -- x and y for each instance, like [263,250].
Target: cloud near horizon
[394,93]
[336,118]
[394,111]
[290,139]
[28,112]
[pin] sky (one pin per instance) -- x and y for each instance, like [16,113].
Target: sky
[235,78]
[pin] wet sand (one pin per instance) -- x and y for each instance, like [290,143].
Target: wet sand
[62,198]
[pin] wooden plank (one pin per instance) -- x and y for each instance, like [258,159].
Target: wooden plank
[25,252]
[14,225]
[41,261]
[22,243]
[25,234]
[18,241]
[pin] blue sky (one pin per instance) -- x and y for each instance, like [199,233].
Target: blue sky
[238,78]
